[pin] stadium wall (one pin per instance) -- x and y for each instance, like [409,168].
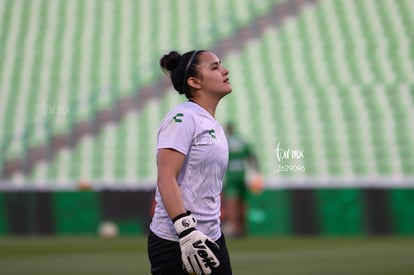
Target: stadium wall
[351,211]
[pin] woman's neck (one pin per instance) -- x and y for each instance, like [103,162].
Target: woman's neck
[208,105]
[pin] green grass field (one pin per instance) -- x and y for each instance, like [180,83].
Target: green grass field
[127,255]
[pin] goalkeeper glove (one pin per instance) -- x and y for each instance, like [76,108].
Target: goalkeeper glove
[196,247]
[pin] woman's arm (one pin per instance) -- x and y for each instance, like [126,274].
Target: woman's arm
[169,164]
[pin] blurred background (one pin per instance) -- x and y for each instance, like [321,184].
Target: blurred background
[322,90]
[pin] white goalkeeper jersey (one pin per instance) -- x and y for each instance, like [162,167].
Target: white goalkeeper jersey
[191,130]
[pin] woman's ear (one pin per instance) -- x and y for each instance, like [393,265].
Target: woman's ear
[194,83]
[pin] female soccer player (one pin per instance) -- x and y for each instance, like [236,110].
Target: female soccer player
[185,235]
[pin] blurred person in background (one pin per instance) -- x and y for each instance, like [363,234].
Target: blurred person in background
[192,153]
[242,173]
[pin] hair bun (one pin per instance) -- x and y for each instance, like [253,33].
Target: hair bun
[170,61]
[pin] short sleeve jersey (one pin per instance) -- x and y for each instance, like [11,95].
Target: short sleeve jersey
[192,131]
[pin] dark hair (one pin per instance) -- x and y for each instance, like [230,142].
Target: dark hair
[180,68]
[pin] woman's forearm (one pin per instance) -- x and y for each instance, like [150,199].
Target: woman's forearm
[169,164]
[171,197]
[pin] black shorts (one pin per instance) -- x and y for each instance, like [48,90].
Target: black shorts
[165,257]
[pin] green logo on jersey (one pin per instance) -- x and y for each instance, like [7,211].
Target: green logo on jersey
[177,117]
[212,133]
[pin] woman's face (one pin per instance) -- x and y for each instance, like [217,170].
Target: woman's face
[213,77]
